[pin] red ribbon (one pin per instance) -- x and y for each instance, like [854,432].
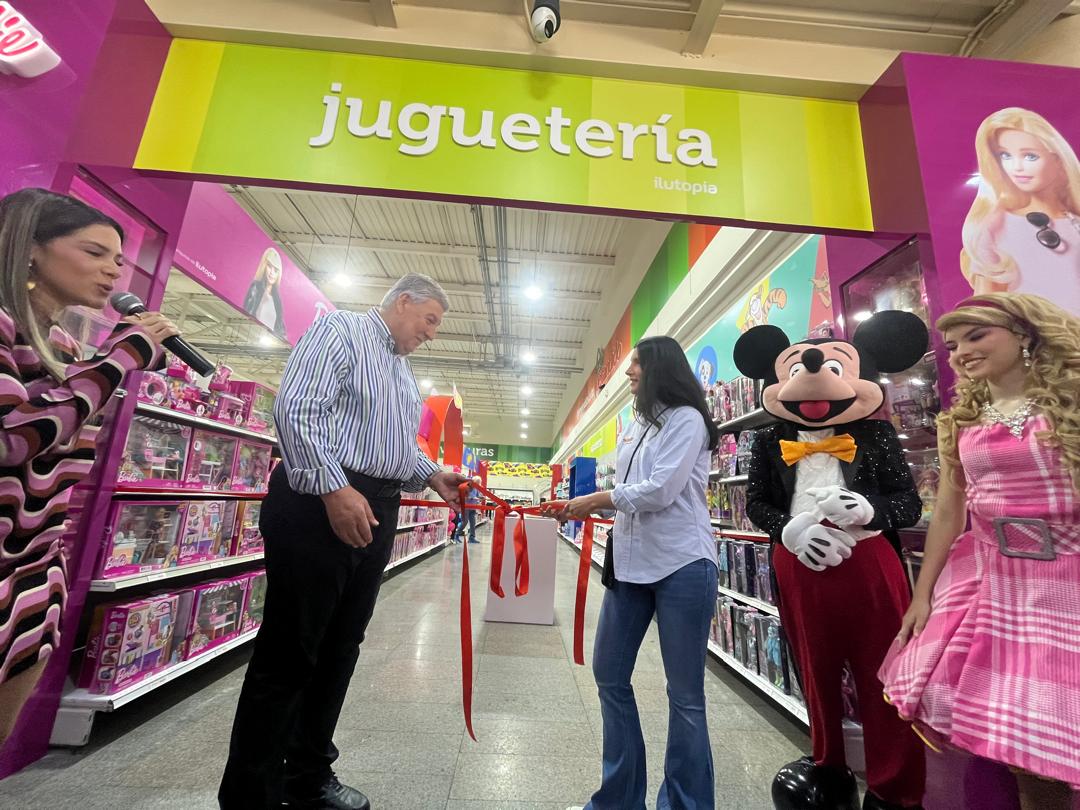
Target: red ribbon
[521,575]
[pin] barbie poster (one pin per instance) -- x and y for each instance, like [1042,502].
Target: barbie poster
[997,148]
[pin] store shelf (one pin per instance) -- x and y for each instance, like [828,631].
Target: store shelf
[720,523]
[85,699]
[714,474]
[185,494]
[764,607]
[414,556]
[785,702]
[137,580]
[408,526]
[758,418]
[735,534]
[735,479]
[598,550]
[181,418]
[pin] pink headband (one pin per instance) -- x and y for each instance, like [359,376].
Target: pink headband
[977,302]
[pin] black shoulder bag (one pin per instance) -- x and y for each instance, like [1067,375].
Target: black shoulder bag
[607,577]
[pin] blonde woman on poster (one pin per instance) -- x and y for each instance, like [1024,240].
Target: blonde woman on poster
[263,299]
[1022,233]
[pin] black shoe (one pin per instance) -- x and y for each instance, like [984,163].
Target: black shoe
[331,796]
[804,785]
[873,802]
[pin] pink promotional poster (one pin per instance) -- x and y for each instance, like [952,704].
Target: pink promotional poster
[997,148]
[225,251]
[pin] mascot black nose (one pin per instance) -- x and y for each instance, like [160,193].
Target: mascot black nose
[813,359]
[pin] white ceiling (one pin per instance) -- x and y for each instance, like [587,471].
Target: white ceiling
[355,247]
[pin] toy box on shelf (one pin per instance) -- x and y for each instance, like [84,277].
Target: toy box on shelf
[252,470]
[215,615]
[211,461]
[733,399]
[184,395]
[141,537]
[223,405]
[155,454]
[127,642]
[208,531]
[247,538]
[255,603]
[772,653]
[258,404]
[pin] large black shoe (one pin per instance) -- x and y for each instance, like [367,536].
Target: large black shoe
[331,796]
[873,802]
[805,785]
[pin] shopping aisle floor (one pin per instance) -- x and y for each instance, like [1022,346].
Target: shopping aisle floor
[401,733]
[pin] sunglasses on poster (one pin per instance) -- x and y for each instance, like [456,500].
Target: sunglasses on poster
[1047,236]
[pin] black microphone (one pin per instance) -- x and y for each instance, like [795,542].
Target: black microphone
[130,304]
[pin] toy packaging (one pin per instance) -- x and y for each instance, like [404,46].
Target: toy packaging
[142,537]
[256,601]
[793,680]
[763,574]
[723,562]
[184,395]
[772,653]
[727,626]
[252,473]
[211,461]
[743,450]
[851,698]
[153,389]
[247,539]
[216,615]
[154,454]
[258,405]
[744,566]
[127,642]
[208,531]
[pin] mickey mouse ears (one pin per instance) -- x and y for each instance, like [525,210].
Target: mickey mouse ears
[895,339]
[756,351]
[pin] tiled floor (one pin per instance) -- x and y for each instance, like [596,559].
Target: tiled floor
[401,733]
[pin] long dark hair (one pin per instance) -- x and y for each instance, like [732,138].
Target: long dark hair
[34,216]
[668,382]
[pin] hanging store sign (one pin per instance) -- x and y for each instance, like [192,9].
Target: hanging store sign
[427,127]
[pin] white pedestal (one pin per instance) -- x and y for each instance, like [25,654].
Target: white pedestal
[538,605]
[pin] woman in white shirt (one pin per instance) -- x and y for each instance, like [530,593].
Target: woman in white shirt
[664,559]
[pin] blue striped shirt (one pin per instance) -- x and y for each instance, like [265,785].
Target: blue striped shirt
[348,400]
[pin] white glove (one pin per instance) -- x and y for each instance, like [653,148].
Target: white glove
[842,507]
[816,546]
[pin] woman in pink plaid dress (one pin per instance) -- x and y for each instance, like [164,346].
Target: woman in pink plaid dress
[993,662]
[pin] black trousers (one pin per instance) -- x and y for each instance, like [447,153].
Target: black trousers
[320,597]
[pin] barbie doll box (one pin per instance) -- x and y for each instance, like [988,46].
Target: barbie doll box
[141,537]
[247,539]
[216,615]
[154,454]
[772,653]
[258,405]
[256,601]
[208,531]
[252,470]
[211,462]
[127,642]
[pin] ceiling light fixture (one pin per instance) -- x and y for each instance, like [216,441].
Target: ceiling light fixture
[524,435]
[526,391]
[426,384]
[342,280]
[266,340]
[525,425]
[528,357]
[524,411]
[533,293]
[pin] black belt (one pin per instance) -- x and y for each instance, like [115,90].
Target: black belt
[372,487]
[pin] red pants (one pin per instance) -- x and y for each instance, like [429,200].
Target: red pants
[852,613]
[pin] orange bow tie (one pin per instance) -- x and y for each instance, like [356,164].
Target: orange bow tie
[842,447]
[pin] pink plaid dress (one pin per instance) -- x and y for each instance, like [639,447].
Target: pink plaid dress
[996,670]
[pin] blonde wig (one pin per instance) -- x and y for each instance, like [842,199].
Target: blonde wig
[986,267]
[1053,381]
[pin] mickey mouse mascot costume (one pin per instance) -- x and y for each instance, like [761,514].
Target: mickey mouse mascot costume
[831,486]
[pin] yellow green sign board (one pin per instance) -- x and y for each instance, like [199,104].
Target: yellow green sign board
[602,442]
[248,111]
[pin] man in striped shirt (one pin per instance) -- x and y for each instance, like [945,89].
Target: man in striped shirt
[347,417]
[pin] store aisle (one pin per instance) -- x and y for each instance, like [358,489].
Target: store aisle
[401,733]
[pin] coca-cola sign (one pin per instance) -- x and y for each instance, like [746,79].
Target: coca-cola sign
[23,50]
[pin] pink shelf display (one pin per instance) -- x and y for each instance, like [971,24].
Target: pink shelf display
[256,601]
[215,615]
[247,538]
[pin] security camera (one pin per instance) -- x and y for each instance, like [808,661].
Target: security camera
[544,20]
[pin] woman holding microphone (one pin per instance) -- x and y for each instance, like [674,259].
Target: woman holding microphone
[55,252]
[664,565]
